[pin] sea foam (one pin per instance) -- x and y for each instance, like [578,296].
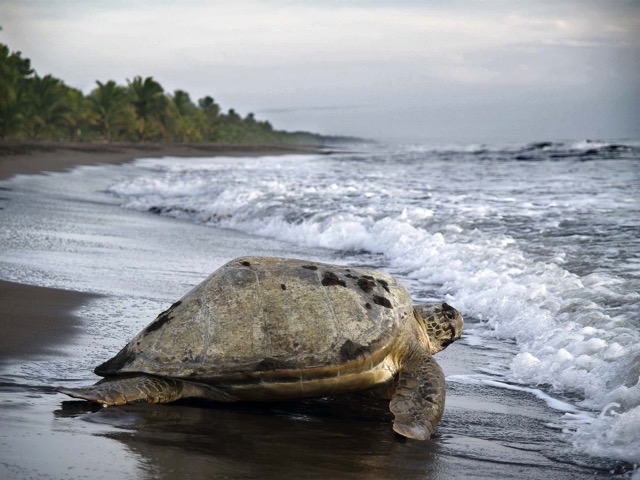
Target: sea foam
[471,242]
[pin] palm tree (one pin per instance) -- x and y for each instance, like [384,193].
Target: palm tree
[183,102]
[14,70]
[149,102]
[49,108]
[209,107]
[211,111]
[108,104]
[188,122]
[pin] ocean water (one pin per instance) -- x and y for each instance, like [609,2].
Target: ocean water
[538,245]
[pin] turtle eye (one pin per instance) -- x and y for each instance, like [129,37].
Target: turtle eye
[448,311]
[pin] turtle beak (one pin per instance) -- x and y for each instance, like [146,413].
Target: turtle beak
[456,322]
[455,330]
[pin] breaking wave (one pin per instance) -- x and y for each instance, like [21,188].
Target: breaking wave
[542,253]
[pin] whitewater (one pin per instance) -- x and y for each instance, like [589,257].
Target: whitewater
[537,244]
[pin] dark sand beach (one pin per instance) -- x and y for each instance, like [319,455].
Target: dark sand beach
[35,319]
[46,435]
[35,157]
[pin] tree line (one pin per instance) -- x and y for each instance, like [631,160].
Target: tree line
[45,108]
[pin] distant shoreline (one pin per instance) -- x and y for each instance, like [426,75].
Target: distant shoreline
[23,157]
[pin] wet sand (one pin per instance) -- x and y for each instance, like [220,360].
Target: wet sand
[47,435]
[34,319]
[36,157]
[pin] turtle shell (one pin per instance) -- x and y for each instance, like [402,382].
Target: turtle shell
[258,315]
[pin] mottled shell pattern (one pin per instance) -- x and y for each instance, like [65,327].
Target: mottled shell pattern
[257,315]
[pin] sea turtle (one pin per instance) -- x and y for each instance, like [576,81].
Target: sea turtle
[268,329]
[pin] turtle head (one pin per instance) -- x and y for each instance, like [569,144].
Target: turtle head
[441,322]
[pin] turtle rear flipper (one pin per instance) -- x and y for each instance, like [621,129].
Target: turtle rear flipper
[418,402]
[120,391]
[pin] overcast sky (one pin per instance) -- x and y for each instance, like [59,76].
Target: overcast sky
[440,71]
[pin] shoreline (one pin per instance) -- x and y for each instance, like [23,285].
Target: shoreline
[37,319]
[23,157]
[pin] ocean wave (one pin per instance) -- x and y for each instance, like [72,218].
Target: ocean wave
[537,151]
[577,335]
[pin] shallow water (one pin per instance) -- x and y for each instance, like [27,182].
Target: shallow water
[537,246]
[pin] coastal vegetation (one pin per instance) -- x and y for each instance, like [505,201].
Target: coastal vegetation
[34,107]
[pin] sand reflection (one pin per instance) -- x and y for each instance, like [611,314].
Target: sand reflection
[345,437]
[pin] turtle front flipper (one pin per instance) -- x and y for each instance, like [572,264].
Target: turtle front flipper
[418,402]
[120,391]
